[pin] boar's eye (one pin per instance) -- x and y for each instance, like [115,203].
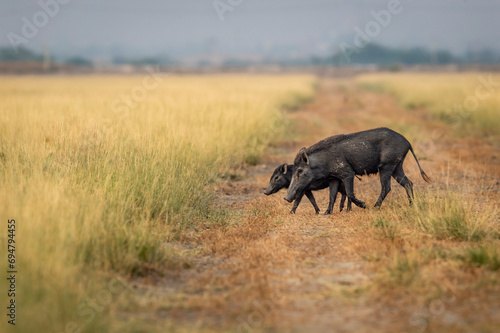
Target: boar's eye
[299,171]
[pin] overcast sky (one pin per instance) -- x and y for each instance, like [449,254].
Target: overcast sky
[191,27]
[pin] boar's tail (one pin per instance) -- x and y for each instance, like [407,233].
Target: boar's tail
[422,172]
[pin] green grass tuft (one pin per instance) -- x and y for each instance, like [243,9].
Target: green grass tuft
[446,217]
[403,271]
[483,256]
[386,228]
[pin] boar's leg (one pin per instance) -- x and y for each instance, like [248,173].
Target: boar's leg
[385,180]
[334,188]
[349,203]
[342,201]
[349,188]
[401,178]
[310,196]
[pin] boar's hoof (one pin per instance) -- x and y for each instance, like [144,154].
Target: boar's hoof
[292,211]
[317,212]
[328,212]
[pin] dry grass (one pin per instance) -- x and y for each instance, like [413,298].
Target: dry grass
[98,189]
[244,264]
[462,100]
[430,266]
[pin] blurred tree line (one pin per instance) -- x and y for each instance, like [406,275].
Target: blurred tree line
[382,55]
[370,54]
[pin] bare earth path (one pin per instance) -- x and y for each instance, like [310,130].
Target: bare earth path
[271,271]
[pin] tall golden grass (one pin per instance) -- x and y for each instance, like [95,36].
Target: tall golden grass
[468,101]
[98,187]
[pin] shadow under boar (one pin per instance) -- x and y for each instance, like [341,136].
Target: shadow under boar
[282,177]
[379,150]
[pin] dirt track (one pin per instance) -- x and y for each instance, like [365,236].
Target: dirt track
[272,271]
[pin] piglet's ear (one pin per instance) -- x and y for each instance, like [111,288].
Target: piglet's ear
[284,168]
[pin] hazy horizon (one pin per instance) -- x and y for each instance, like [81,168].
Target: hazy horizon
[292,28]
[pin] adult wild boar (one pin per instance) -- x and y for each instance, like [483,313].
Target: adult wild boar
[379,150]
[282,177]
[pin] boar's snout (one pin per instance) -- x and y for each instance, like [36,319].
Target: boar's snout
[270,190]
[288,198]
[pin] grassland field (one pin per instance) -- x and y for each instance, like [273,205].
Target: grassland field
[120,189]
[467,101]
[97,186]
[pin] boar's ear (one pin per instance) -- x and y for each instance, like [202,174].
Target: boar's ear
[284,168]
[303,156]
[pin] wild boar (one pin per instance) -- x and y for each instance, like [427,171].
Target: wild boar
[379,150]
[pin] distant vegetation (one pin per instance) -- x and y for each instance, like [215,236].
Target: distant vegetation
[164,61]
[381,55]
[22,54]
[79,61]
[370,54]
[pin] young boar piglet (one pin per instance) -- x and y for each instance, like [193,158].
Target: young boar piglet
[282,177]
